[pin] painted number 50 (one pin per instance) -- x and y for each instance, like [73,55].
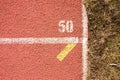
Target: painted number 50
[66,26]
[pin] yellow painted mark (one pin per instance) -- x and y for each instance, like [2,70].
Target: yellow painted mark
[65,51]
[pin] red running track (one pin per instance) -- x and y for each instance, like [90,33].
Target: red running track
[39,19]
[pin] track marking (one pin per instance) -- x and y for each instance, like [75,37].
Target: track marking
[84,42]
[65,51]
[54,40]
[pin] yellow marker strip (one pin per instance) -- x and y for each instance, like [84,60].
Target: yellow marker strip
[65,51]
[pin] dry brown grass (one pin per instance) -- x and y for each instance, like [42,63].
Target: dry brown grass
[104,39]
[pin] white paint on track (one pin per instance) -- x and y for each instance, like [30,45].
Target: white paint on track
[84,43]
[55,40]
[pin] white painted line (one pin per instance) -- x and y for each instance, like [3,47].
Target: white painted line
[84,43]
[55,40]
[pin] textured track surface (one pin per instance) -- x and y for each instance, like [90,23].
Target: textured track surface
[39,18]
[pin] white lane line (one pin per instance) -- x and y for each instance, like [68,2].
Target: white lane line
[54,40]
[84,43]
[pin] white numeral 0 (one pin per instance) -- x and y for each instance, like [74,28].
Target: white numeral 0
[66,26]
